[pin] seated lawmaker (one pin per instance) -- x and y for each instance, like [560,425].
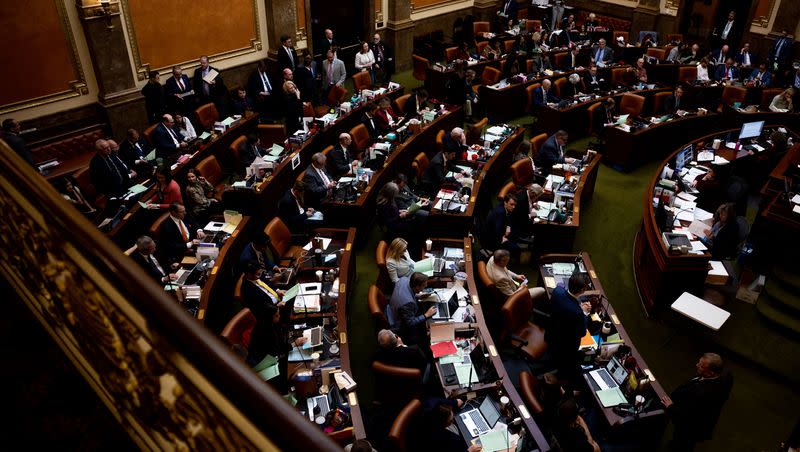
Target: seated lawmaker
[341,158]
[385,116]
[782,103]
[406,197]
[723,237]
[417,104]
[165,139]
[674,103]
[242,103]
[761,77]
[552,152]
[200,196]
[438,418]
[393,352]
[571,430]
[572,89]
[398,261]
[371,122]
[167,190]
[292,209]
[436,172]
[727,73]
[593,81]
[639,71]
[108,173]
[133,152]
[257,251]
[499,231]
[544,95]
[145,257]
[601,55]
[567,325]
[405,313]
[249,149]
[398,222]
[178,234]
[317,182]
[506,281]
[527,208]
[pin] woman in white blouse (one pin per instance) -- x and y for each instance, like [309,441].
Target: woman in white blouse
[702,71]
[398,261]
[365,60]
[782,103]
[185,127]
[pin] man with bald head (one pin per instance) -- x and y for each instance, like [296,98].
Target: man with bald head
[340,159]
[318,183]
[392,351]
[328,42]
[543,95]
[206,88]
[108,173]
[166,139]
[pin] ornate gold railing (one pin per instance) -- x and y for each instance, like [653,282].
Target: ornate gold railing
[168,381]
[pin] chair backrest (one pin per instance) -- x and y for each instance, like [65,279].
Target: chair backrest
[660,54]
[419,165]
[618,75]
[239,328]
[509,45]
[536,143]
[360,136]
[533,25]
[491,288]
[590,112]
[450,53]
[558,84]
[687,74]
[767,95]
[420,65]
[384,283]
[474,132]
[658,101]
[234,149]
[733,94]
[154,228]
[207,115]
[516,311]
[377,302]
[631,104]
[560,60]
[522,172]
[84,181]
[479,46]
[396,385]
[480,27]
[529,94]
[490,75]
[269,134]
[326,151]
[362,80]
[530,390]
[507,188]
[400,103]
[625,35]
[529,65]
[148,133]
[336,95]
[308,110]
[399,429]
[440,140]
[210,169]
[237,289]
[280,237]
[675,37]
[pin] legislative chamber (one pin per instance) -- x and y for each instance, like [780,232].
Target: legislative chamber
[446,225]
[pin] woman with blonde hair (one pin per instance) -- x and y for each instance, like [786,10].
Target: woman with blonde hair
[398,260]
[782,103]
[293,107]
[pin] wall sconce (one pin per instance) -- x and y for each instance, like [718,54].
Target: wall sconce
[106,5]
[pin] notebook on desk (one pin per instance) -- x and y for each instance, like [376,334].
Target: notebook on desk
[607,381]
[478,421]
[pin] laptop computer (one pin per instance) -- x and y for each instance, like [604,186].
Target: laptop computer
[611,376]
[189,277]
[318,401]
[314,336]
[476,422]
[446,309]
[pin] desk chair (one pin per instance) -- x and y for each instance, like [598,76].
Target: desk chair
[269,134]
[361,139]
[383,282]
[687,74]
[210,168]
[625,35]
[522,172]
[239,328]
[496,296]
[377,302]
[419,67]
[659,54]
[531,392]
[618,76]
[533,25]
[325,152]
[509,45]
[207,115]
[675,37]
[731,95]
[631,104]
[490,75]
[148,133]
[233,151]
[399,432]
[529,65]
[362,80]
[510,187]
[395,385]
[536,143]
[281,245]
[517,331]
[156,226]
[440,141]
[644,33]
[658,101]
[400,103]
[84,182]
[560,60]
[767,95]
[480,27]
[308,110]
[475,132]
[479,46]
[558,84]
[237,289]
[418,167]
[529,94]
[450,54]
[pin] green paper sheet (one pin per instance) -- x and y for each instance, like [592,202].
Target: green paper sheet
[611,397]
[425,266]
[267,369]
[494,440]
[463,374]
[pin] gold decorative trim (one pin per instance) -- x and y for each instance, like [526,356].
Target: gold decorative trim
[143,68]
[763,21]
[98,11]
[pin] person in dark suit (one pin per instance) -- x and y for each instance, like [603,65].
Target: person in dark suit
[178,234]
[292,108]
[108,173]
[527,205]
[573,60]
[292,209]
[781,52]
[745,58]
[438,416]
[727,72]
[166,140]
[694,407]
[567,325]
[317,181]
[392,351]
[261,87]
[145,257]
[730,30]
[398,222]
[153,93]
[455,141]
[213,91]
[11,129]
[417,103]
[675,101]
[552,152]
[436,172]
[287,56]
[573,88]
[305,79]
[257,252]
[383,58]
[601,55]
[405,196]
[178,92]
[328,42]
[133,151]
[719,56]
[593,81]
[508,12]
[499,231]
[404,314]
[370,121]
[340,159]
[603,115]
[760,77]
[544,95]
[242,103]
[249,150]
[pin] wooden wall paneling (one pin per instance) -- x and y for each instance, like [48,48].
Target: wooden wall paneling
[416,4]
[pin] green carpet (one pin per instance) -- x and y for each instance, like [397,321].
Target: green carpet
[759,413]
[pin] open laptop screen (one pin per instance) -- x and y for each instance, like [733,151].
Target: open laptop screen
[489,411]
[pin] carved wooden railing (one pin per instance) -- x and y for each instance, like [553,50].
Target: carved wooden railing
[166,378]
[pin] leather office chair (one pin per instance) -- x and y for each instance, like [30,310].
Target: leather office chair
[361,138]
[490,75]
[658,101]
[517,328]
[767,95]
[675,37]
[590,112]
[531,392]
[731,95]
[308,110]
[419,68]
[384,283]
[625,35]
[210,169]
[479,46]
[335,97]
[497,297]
[269,134]
[618,76]
[400,103]
[687,74]
[536,143]
[480,27]
[631,104]
[522,172]
[419,165]
[475,131]
[507,188]
[239,328]
[657,53]
[533,25]
[281,244]
[558,84]
[326,151]
[440,141]
[529,95]
[450,54]
[399,431]
[156,226]
[207,115]
[148,133]
[395,385]
[529,66]
[560,60]
[234,151]
[509,45]
[84,182]
[377,302]
[237,289]
[362,80]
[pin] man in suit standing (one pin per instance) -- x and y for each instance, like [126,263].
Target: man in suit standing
[781,52]
[674,102]
[208,89]
[567,325]
[730,30]
[305,79]
[317,181]
[153,93]
[593,81]
[292,209]
[507,13]
[11,129]
[602,55]
[499,231]
[261,87]
[133,151]
[165,139]
[177,234]
[178,92]
[383,57]
[145,257]
[543,95]
[287,56]
[333,72]
[368,119]
[340,159]
[328,43]
[695,406]
[552,152]
[108,173]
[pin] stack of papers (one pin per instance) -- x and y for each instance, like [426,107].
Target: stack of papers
[267,369]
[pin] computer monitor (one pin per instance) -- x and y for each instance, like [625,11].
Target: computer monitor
[751,129]
[684,156]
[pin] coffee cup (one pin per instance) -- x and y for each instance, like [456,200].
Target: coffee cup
[428,244]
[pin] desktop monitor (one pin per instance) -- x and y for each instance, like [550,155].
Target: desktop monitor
[684,157]
[751,130]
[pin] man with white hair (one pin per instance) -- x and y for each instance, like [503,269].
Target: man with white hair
[145,257]
[602,55]
[108,173]
[207,88]
[392,351]
[456,142]
[340,159]
[506,281]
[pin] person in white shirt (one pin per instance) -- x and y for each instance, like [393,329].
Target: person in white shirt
[185,127]
[506,281]
[782,103]
[365,60]
[702,71]
[398,260]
